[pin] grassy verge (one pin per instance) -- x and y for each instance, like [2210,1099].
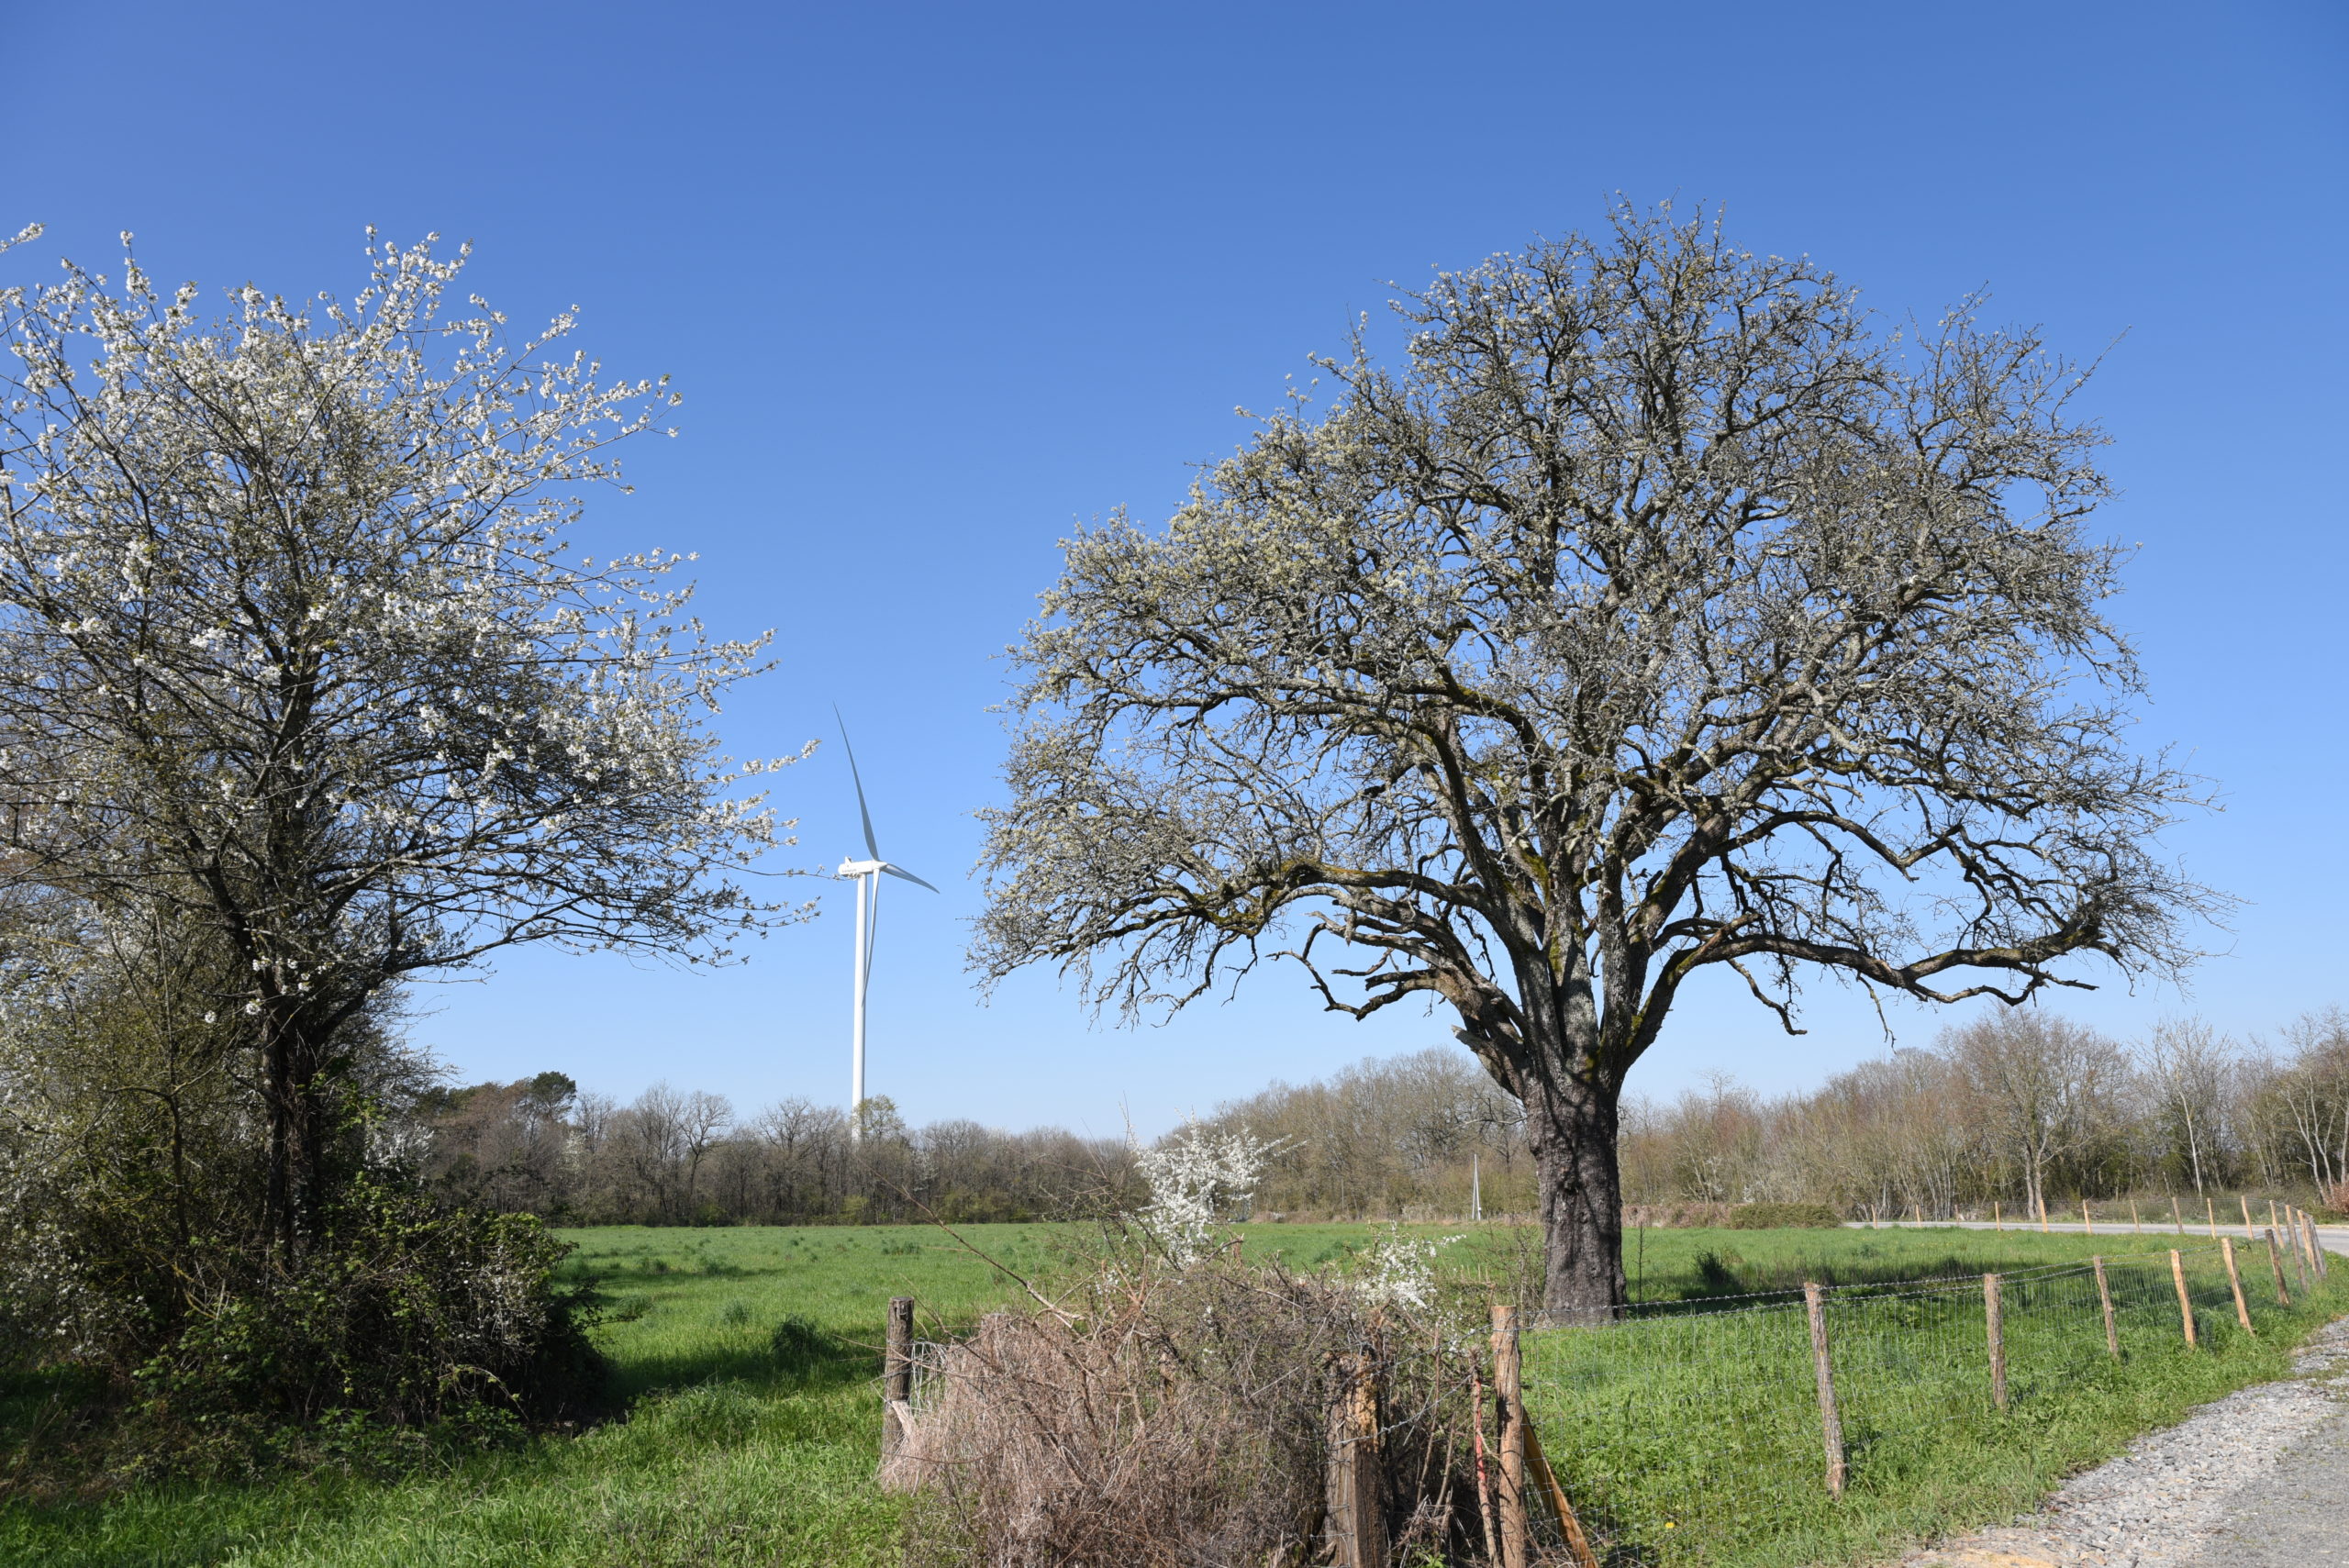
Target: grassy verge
[741,1444]
[1696,1438]
[745,1359]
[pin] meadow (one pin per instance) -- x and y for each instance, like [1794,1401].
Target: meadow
[746,1425]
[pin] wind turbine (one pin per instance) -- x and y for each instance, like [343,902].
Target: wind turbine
[867,873]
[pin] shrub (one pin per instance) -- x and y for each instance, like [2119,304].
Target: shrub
[406,1316]
[1178,1406]
[144,1276]
[1184,1420]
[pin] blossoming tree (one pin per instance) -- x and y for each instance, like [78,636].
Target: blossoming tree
[291,642]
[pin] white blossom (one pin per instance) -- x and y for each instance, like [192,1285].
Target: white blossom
[1400,1270]
[287,639]
[1197,1177]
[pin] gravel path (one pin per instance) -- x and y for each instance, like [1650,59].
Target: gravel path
[2259,1479]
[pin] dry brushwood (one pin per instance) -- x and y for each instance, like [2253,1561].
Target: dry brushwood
[1184,1419]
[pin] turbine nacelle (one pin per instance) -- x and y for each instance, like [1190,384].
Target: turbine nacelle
[869,867]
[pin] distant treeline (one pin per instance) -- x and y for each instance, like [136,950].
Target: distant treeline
[1400,1137]
[2023,1107]
[672,1157]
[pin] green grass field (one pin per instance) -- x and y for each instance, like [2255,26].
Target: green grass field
[746,1360]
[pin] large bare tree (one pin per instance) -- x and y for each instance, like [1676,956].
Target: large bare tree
[1660,612]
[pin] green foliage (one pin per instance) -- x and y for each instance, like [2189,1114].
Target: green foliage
[1783,1217]
[407,1315]
[143,1286]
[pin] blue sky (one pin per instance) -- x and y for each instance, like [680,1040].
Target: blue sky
[938,281]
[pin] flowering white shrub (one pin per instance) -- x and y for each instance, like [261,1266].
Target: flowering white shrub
[1400,1270]
[1196,1177]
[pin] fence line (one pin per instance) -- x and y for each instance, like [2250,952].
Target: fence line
[1674,1430]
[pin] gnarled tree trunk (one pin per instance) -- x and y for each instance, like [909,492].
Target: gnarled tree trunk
[1570,1124]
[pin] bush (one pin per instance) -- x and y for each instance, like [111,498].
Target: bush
[408,1327]
[1184,1419]
[145,1274]
[407,1312]
[1783,1216]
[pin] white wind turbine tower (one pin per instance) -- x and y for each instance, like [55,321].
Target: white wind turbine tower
[867,873]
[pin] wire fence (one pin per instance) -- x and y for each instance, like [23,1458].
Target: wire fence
[926,1368]
[1684,1432]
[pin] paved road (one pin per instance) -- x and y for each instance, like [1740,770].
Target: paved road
[2334,1238]
[2295,1520]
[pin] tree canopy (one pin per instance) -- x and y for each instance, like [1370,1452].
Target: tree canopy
[1661,611]
[293,645]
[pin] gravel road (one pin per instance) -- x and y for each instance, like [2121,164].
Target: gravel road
[2259,1479]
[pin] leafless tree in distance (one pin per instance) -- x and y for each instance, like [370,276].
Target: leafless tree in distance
[2042,1086]
[1659,612]
[2188,1067]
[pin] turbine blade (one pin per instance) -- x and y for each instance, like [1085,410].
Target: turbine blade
[871,849]
[900,871]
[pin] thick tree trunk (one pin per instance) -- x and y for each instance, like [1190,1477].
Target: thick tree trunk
[1572,1126]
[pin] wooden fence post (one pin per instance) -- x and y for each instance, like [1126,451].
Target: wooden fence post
[1509,1398]
[1484,1485]
[2104,1298]
[2275,1267]
[2185,1302]
[2087,1226]
[1994,1329]
[1996,1223]
[2136,1226]
[1357,1519]
[2234,1283]
[1569,1521]
[2210,1212]
[1831,1424]
[2316,1245]
[2247,1231]
[2177,1218]
[896,1376]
